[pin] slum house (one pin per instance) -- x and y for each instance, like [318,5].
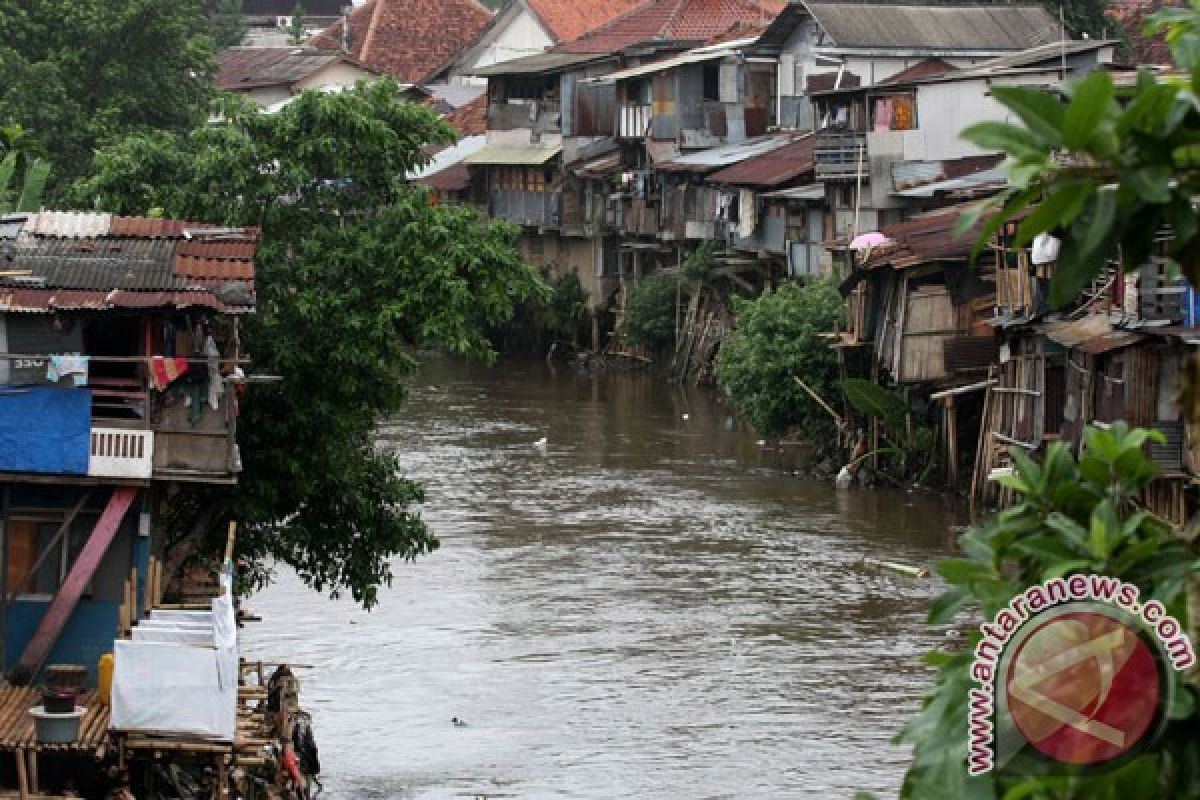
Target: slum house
[773,210]
[553,162]
[876,142]
[120,375]
[821,46]
[1117,352]
[918,318]
[272,76]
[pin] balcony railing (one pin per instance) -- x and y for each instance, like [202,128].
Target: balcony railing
[840,156]
[633,121]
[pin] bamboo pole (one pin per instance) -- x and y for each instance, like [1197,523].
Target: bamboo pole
[22,777]
[836,417]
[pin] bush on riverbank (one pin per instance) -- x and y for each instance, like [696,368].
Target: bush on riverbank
[777,339]
[650,312]
[560,317]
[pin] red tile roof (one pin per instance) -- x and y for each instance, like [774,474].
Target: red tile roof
[693,21]
[773,168]
[408,39]
[1131,15]
[570,19]
[471,119]
[927,68]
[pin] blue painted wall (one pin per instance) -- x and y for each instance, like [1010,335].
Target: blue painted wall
[88,635]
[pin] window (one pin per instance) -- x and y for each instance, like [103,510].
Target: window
[27,538]
[712,80]
[896,112]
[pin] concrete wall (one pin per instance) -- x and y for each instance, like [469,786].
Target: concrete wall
[565,254]
[336,74]
[524,36]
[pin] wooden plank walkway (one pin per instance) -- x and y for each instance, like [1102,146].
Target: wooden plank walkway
[16,723]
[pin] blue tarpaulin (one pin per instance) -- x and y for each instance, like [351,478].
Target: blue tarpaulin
[44,429]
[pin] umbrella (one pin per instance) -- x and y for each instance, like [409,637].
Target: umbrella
[865,240]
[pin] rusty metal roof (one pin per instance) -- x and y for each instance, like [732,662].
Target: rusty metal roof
[771,169]
[252,67]
[95,261]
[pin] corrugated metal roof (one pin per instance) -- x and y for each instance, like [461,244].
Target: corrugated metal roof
[97,263]
[812,191]
[599,167]
[70,224]
[1072,332]
[990,28]
[774,168]
[454,178]
[450,155]
[697,56]
[251,67]
[539,63]
[996,176]
[75,260]
[531,154]
[44,301]
[11,224]
[717,157]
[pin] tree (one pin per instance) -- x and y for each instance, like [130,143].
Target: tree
[1072,517]
[777,339]
[1083,17]
[23,174]
[296,29]
[225,23]
[356,268]
[79,73]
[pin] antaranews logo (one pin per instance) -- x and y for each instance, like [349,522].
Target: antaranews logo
[1077,668]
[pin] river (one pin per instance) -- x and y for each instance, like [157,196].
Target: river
[649,606]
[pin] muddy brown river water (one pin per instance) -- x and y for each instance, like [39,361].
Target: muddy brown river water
[649,606]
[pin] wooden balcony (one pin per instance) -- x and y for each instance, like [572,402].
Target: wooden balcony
[841,156]
[120,430]
[524,207]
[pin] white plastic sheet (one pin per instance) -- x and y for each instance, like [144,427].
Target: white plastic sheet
[173,688]
[200,638]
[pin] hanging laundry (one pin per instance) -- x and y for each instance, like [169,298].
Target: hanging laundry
[163,371]
[215,385]
[883,114]
[61,366]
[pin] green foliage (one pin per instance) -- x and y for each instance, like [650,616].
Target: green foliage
[700,262]
[1073,517]
[1108,166]
[872,400]
[356,269]
[650,312]
[559,314]
[777,339]
[225,23]
[296,30]
[23,175]
[79,73]
[909,448]
[1083,17]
